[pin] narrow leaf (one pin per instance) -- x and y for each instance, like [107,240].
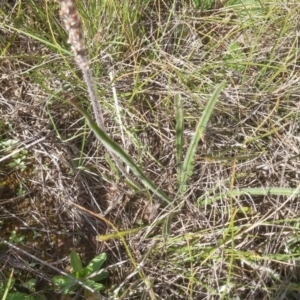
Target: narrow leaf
[8,285]
[99,277]
[95,264]
[188,164]
[179,132]
[112,146]
[261,191]
[64,283]
[167,226]
[94,285]
[76,261]
[19,296]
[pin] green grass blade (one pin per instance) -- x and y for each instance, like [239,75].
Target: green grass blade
[179,132]
[167,226]
[261,191]
[7,286]
[112,146]
[266,191]
[39,39]
[188,164]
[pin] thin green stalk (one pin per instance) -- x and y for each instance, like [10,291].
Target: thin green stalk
[179,132]
[262,191]
[7,286]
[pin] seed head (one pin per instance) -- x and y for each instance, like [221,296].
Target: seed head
[70,16]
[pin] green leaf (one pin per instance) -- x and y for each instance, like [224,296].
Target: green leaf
[94,285]
[203,4]
[246,8]
[9,284]
[39,297]
[197,3]
[8,143]
[115,148]
[37,38]
[188,164]
[95,264]
[104,274]
[76,261]
[65,284]
[30,284]
[179,132]
[19,296]
[167,226]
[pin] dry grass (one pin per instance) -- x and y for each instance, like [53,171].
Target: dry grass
[230,239]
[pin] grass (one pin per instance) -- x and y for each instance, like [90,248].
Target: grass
[201,106]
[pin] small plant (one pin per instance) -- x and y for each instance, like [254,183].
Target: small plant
[89,275]
[8,293]
[15,238]
[18,158]
[235,57]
